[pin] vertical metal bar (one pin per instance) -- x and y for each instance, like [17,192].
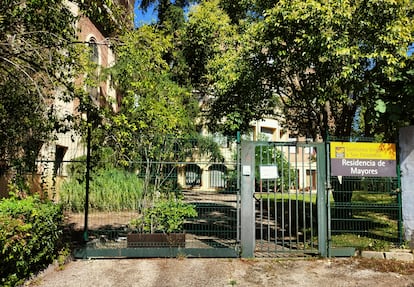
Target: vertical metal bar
[297,198]
[275,215]
[400,223]
[282,220]
[247,232]
[322,159]
[261,216]
[289,200]
[303,168]
[268,219]
[310,148]
[282,181]
[261,199]
[87,177]
[289,196]
[277,224]
[328,187]
[270,161]
[238,209]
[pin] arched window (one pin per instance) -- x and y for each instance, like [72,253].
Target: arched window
[192,175]
[217,175]
[94,51]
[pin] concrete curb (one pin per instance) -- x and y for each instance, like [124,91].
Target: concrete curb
[400,255]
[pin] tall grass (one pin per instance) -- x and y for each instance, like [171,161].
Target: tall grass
[110,190]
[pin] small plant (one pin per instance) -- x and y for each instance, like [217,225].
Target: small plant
[167,215]
[233,282]
[63,257]
[181,256]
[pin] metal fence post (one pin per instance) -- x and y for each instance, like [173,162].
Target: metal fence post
[322,200]
[87,176]
[247,232]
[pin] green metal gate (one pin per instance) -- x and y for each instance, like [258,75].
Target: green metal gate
[283,199]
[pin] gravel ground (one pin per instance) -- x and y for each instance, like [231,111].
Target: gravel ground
[220,272]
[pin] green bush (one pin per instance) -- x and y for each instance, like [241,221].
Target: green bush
[110,190]
[30,233]
[166,215]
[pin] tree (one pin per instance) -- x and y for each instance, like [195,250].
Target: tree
[210,47]
[395,109]
[109,16]
[36,61]
[319,65]
[152,102]
[204,37]
[153,105]
[168,11]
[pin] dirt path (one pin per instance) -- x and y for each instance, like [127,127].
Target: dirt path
[219,272]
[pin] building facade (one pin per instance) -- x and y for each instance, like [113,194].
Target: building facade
[55,155]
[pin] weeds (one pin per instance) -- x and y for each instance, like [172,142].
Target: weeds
[383,265]
[233,282]
[110,190]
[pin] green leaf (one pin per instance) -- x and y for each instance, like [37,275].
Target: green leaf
[380,106]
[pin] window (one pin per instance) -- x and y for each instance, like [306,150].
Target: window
[192,175]
[94,51]
[217,175]
[221,140]
[267,133]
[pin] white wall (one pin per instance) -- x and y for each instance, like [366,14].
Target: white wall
[407,179]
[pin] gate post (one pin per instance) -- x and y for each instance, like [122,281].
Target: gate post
[247,214]
[322,200]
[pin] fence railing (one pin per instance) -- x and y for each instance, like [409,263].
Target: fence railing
[366,213]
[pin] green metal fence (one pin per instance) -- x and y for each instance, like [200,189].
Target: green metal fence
[126,201]
[301,211]
[366,213]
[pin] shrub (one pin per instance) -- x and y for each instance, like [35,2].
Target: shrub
[166,215]
[30,232]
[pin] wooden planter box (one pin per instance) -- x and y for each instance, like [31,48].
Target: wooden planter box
[155,240]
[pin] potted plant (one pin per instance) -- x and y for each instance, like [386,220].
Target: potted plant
[161,225]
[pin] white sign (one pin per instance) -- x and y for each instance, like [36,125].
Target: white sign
[268,172]
[246,170]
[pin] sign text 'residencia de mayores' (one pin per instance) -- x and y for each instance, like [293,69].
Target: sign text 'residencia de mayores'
[363,159]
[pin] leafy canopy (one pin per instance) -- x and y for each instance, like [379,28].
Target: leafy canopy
[152,103]
[325,67]
[36,60]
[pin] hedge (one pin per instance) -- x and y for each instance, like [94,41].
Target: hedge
[30,233]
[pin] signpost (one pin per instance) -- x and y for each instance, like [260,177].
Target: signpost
[363,159]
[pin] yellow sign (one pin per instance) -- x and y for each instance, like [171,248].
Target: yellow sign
[363,159]
[385,151]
